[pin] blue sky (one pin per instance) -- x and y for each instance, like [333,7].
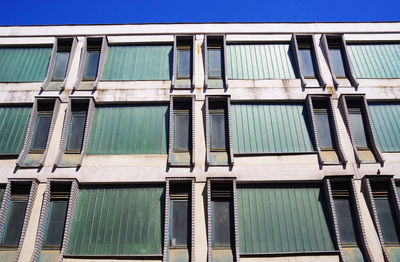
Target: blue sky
[46,12]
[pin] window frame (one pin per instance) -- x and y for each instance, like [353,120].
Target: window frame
[40,114]
[217,41]
[337,145]
[184,42]
[75,114]
[183,48]
[338,39]
[370,136]
[298,40]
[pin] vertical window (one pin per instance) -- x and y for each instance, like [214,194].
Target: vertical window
[182,126]
[180,216]
[184,62]
[323,120]
[77,127]
[385,212]
[336,58]
[56,216]
[344,214]
[217,117]
[222,217]
[214,62]
[92,59]
[306,59]
[42,127]
[62,59]
[15,215]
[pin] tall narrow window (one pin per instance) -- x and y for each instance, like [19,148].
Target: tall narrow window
[222,217]
[323,120]
[214,62]
[180,216]
[358,124]
[92,59]
[62,59]
[56,216]
[306,58]
[15,215]
[385,212]
[184,62]
[77,127]
[217,112]
[345,216]
[42,127]
[182,126]
[336,58]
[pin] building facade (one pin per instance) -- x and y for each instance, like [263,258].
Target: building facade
[200,142]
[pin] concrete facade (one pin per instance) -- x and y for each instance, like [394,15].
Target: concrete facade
[154,168]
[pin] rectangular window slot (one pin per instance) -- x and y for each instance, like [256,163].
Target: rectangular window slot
[184,57]
[92,58]
[42,127]
[76,129]
[218,126]
[182,126]
[306,57]
[336,57]
[222,215]
[180,216]
[62,59]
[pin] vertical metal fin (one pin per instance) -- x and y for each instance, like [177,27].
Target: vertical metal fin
[82,61]
[205,61]
[352,77]
[297,60]
[171,129]
[51,66]
[325,48]
[174,64]
[103,53]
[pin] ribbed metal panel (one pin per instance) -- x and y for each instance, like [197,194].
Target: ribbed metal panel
[260,61]
[269,128]
[386,122]
[138,62]
[24,64]
[129,129]
[375,60]
[13,125]
[281,218]
[117,221]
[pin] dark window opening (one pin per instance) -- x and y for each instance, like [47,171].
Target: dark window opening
[184,57]
[42,127]
[15,215]
[56,216]
[92,59]
[222,216]
[218,126]
[180,216]
[182,126]
[385,212]
[77,127]
[62,59]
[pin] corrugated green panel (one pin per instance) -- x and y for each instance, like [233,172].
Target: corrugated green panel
[269,128]
[129,129]
[117,221]
[260,61]
[13,124]
[281,218]
[24,64]
[138,62]
[375,60]
[386,121]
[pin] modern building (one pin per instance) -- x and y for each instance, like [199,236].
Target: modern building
[200,142]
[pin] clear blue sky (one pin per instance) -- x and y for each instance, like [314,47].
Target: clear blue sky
[44,12]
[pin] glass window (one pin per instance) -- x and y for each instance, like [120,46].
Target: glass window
[387,220]
[307,62]
[76,131]
[336,58]
[15,216]
[345,219]
[91,65]
[222,221]
[357,126]
[214,63]
[323,128]
[217,127]
[60,66]
[41,133]
[179,218]
[55,224]
[182,126]
[184,63]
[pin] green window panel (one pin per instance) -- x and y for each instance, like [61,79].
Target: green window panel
[122,220]
[129,129]
[269,128]
[24,64]
[13,124]
[375,60]
[386,122]
[138,62]
[260,61]
[275,218]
